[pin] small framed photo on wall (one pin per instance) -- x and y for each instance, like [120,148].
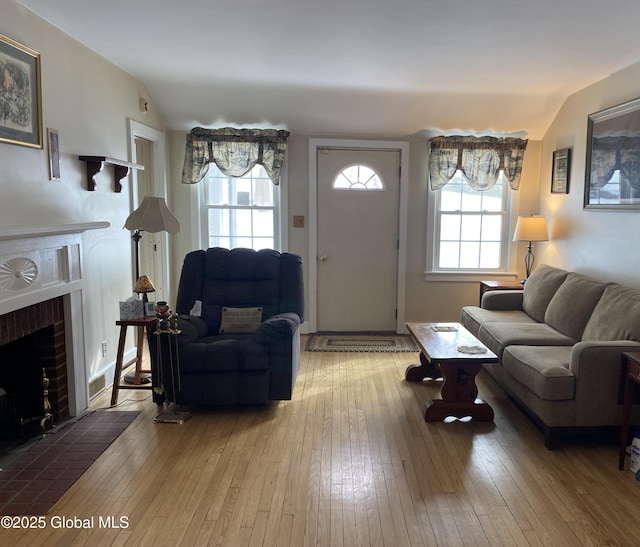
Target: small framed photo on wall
[54,154]
[560,171]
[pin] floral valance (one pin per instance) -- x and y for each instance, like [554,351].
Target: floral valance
[234,151]
[479,158]
[610,154]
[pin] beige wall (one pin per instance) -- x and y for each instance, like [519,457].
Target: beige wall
[598,243]
[425,300]
[88,100]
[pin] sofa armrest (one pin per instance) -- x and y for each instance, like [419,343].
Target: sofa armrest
[282,325]
[597,368]
[502,300]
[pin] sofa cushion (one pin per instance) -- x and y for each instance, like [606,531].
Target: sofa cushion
[616,316]
[497,336]
[543,370]
[473,317]
[539,289]
[572,304]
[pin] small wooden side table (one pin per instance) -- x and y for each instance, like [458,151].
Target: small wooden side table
[493,285]
[631,379]
[142,326]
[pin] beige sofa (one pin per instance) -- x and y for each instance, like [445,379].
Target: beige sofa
[559,342]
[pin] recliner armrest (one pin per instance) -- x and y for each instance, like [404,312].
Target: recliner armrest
[283,325]
[191,328]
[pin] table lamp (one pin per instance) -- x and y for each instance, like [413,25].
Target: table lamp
[144,286]
[531,228]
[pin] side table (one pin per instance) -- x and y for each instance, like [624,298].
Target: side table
[494,285]
[631,379]
[142,325]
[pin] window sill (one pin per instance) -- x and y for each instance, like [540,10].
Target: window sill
[469,277]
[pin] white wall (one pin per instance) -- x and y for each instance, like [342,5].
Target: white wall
[599,243]
[88,100]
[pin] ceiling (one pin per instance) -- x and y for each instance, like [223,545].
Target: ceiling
[358,67]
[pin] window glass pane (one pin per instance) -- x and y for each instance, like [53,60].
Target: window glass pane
[470,228]
[263,192]
[450,227]
[471,200]
[490,256]
[358,177]
[450,197]
[492,200]
[219,241]
[491,228]
[242,222]
[263,223]
[449,255]
[219,222]
[245,242]
[218,191]
[469,254]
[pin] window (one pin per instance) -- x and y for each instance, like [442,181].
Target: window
[471,227]
[240,211]
[358,177]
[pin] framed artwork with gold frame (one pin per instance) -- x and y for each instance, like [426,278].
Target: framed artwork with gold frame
[20,94]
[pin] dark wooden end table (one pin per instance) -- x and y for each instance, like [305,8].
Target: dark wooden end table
[495,285]
[440,356]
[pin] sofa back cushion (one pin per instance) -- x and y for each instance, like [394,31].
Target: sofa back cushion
[540,288]
[616,316]
[571,307]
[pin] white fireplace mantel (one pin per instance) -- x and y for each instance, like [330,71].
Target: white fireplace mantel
[38,263]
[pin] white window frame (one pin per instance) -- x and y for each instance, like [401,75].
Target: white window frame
[433,273]
[199,217]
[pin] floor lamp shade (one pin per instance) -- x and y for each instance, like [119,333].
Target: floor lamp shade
[530,229]
[154,216]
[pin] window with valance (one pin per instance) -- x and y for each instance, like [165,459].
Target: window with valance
[234,151]
[480,159]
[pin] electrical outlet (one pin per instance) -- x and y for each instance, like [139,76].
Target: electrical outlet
[104,348]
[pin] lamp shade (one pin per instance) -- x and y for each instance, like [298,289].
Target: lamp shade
[531,228]
[153,215]
[144,285]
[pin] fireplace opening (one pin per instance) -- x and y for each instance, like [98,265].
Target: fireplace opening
[32,348]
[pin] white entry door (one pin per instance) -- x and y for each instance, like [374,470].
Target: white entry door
[358,201]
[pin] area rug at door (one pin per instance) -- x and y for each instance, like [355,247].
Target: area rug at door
[360,341]
[37,476]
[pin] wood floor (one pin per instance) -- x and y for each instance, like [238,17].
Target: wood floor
[348,462]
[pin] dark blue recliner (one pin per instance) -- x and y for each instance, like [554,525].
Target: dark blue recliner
[201,365]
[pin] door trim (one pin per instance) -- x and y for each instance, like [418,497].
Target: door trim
[158,138]
[403,148]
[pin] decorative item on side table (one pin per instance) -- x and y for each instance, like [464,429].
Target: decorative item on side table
[167,325]
[530,229]
[560,171]
[153,216]
[144,286]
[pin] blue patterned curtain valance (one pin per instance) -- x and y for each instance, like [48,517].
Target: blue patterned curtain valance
[611,154]
[234,151]
[479,158]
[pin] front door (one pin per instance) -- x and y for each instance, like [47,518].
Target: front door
[358,201]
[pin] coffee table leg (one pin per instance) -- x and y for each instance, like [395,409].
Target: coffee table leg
[459,392]
[417,373]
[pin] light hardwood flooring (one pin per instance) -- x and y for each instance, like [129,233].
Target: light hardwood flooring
[348,462]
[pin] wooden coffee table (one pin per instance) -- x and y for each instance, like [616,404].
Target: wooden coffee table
[440,356]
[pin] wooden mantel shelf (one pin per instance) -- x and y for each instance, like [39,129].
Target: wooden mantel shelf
[120,170]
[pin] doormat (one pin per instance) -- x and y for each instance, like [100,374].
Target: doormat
[36,476]
[371,342]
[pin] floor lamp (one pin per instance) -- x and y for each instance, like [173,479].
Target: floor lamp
[153,216]
[530,229]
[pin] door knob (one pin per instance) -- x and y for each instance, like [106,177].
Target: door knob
[323,258]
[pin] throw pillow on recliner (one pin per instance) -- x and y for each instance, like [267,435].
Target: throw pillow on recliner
[238,320]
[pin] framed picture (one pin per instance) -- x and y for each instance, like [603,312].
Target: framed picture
[54,154]
[612,176]
[150,308]
[20,94]
[560,171]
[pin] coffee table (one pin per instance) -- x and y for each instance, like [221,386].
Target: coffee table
[441,356]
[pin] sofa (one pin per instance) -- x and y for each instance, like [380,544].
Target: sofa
[238,315]
[559,342]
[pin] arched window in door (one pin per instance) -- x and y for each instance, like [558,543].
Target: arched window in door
[358,177]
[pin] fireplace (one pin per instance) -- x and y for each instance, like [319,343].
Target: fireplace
[41,297]
[32,348]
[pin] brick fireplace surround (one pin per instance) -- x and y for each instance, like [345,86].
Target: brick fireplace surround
[41,285]
[20,323]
